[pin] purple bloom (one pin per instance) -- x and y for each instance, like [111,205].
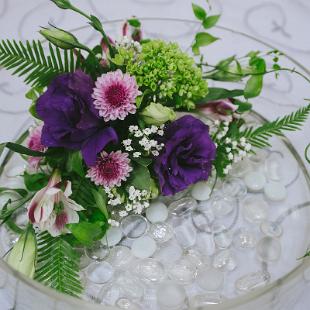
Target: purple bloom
[70,118]
[187,156]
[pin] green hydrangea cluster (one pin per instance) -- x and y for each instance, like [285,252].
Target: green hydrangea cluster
[168,72]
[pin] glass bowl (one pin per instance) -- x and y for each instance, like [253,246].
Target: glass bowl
[278,98]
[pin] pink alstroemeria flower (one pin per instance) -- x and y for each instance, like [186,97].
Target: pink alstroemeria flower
[221,110]
[51,208]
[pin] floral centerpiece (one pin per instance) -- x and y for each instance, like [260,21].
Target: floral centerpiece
[118,125]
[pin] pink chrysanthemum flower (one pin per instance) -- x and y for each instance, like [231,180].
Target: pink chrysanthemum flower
[110,169]
[34,143]
[115,94]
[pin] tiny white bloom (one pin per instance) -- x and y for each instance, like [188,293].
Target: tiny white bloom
[127,142]
[136,154]
[155,153]
[230,156]
[129,148]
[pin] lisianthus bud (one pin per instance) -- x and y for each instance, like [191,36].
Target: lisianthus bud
[157,114]
[63,4]
[23,255]
[60,38]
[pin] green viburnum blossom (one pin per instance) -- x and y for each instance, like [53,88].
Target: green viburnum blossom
[166,72]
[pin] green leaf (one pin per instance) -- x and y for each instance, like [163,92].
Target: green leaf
[58,265]
[216,93]
[134,22]
[82,192]
[96,23]
[101,201]
[143,161]
[86,232]
[75,163]
[20,191]
[199,12]
[204,39]
[195,49]
[243,106]
[140,178]
[210,21]
[253,86]
[35,182]
[18,148]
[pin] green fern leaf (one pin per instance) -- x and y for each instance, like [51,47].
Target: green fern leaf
[29,60]
[58,265]
[259,137]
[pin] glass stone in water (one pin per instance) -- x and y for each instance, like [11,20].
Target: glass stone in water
[169,253]
[143,247]
[182,206]
[205,243]
[97,252]
[271,229]
[234,187]
[161,232]
[150,270]
[255,209]
[224,260]
[134,226]
[186,234]
[202,220]
[268,249]
[183,271]
[99,273]
[210,279]
[120,256]
[223,239]
[112,237]
[171,295]
[207,299]
[252,281]
[244,239]
[222,206]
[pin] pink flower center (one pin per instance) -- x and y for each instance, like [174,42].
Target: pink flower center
[61,220]
[116,95]
[108,168]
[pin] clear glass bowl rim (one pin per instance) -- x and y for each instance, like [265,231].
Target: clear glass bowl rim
[243,299]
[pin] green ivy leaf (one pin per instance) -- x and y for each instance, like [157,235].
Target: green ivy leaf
[35,182]
[75,163]
[210,21]
[216,93]
[253,86]
[134,22]
[199,12]
[86,232]
[140,177]
[204,39]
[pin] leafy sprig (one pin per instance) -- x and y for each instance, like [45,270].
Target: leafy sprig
[29,60]
[58,265]
[259,137]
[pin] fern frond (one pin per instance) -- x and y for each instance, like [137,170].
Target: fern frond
[58,265]
[259,137]
[29,60]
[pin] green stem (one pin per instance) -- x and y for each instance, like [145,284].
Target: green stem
[306,153]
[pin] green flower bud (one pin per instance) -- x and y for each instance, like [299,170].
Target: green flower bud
[23,255]
[63,4]
[60,38]
[157,114]
[154,191]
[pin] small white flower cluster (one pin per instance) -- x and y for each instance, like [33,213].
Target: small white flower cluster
[220,130]
[149,145]
[128,43]
[137,201]
[114,198]
[236,151]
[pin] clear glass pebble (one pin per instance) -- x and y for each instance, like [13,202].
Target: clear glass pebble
[255,209]
[201,191]
[205,243]
[222,206]
[207,299]
[271,229]
[223,239]
[255,181]
[150,270]
[234,187]
[99,273]
[120,256]
[197,259]
[182,206]
[127,304]
[210,279]
[143,247]
[259,157]
[275,191]
[109,294]
[157,212]
[161,232]
[273,167]
[98,252]
[183,271]
[202,219]
[240,168]
[134,226]
[171,295]
[186,234]
[112,237]
[169,253]
[268,249]
[244,239]
[252,281]
[224,260]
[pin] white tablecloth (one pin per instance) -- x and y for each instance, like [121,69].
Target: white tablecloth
[283,23]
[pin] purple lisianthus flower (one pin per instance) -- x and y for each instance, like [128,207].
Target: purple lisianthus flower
[187,156]
[70,118]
